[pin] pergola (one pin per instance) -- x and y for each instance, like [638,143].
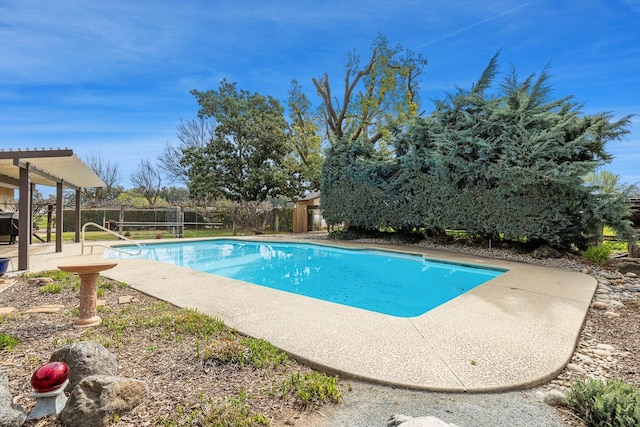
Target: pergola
[61,168]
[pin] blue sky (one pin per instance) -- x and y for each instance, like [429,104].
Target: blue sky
[113,77]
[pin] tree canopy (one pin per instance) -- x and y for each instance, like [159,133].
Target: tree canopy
[243,160]
[508,163]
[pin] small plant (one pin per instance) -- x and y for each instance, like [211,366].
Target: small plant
[234,412]
[598,255]
[311,390]
[225,350]
[7,342]
[51,288]
[605,403]
[262,353]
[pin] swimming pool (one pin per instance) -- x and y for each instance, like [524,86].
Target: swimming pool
[396,284]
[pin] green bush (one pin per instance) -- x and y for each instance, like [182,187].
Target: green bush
[597,254]
[612,403]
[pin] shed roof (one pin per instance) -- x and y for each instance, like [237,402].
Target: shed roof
[47,167]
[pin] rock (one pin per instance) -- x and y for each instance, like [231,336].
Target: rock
[576,368]
[607,347]
[602,286]
[631,275]
[602,353]
[599,305]
[40,281]
[554,398]
[84,359]
[611,314]
[6,310]
[407,421]
[97,398]
[10,415]
[629,267]
[546,251]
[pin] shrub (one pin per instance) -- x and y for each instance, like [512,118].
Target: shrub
[597,254]
[605,403]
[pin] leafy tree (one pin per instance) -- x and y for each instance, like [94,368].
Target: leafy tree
[110,174]
[175,195]
[304,163]
[378,95]
[147,180]
[243,161]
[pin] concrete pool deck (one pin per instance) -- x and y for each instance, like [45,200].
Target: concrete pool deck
[516,331]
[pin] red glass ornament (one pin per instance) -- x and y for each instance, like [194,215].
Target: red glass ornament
[49,377]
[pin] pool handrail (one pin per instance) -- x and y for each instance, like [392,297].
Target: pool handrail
[119,236]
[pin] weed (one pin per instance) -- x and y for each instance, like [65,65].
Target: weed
[597,254]
[7,342]
[100,292]
[234,412]
[51,288]
[605,403]
[261,353]
[311,390]
[225,350]
[198,324]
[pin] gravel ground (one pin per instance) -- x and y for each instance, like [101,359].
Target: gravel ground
[372,405]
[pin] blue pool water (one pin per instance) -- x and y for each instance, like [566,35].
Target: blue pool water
[385,282]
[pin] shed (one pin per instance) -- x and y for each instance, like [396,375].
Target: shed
[307,215]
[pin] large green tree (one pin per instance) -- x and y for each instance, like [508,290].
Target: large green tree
[509,162]
[243,161]
[377,95]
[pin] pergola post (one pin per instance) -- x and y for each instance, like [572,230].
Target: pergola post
[59,214]
[77,225]
[24,219]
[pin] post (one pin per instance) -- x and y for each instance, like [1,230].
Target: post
[24,224]
[77,220]
[121,220]
[49,217]
[59,215]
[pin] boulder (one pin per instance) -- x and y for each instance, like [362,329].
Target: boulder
[629,267]
[84,359]
[10,415]
[546,251]
[554,398]
[97,398]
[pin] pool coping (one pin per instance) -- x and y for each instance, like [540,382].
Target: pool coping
[516,331]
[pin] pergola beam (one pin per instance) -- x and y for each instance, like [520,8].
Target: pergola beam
[24,154]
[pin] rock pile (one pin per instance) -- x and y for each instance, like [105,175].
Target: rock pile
[97,394]
[593,359]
